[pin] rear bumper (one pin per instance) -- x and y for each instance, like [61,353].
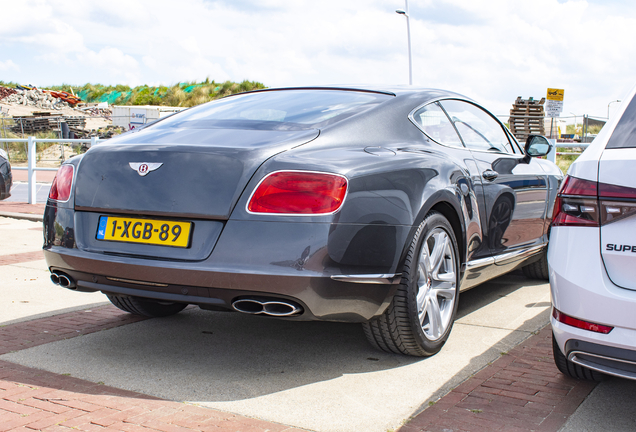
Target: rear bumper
[581,289]
[612,361]
[322,298]
[306,263]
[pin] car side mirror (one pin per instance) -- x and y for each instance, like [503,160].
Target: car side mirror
[536,146]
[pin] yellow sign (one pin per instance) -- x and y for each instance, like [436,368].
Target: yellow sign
[555,94]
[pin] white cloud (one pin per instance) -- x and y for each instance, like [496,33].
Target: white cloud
[9,65]
[490,50]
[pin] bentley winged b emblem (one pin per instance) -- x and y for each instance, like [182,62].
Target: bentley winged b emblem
[143,168]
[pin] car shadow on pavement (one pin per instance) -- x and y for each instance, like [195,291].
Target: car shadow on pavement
[489,292]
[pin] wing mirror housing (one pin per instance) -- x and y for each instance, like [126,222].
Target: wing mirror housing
[536,146]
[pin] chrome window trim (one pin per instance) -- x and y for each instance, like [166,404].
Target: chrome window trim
[509,134]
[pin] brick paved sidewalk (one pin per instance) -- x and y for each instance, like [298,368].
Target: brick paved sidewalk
[32,399]
[520,392]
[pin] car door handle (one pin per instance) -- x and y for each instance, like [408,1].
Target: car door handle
[490,175]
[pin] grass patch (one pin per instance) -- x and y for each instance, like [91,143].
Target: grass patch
[564,161]
[185,94]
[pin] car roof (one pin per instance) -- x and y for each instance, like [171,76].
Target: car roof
[393,90]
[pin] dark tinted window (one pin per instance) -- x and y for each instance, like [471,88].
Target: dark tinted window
[624,136]
[436,125]
[282,109]
[478,129]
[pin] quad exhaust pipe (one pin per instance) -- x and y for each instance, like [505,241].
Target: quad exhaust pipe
[277,308]
[63,280]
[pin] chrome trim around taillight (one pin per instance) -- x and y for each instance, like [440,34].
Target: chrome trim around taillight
[72,182]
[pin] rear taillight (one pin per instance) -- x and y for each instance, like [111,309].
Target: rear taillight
[61,187]
[617,202]
[575,322]
[576,203]
[587,203]
[299,193]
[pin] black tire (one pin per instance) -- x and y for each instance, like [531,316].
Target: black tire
[145,307]
[538,269]
[401,329]
[572,369]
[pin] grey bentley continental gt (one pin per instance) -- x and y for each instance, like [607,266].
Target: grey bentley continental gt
[370,205]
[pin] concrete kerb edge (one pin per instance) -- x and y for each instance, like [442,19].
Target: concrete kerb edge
[25,216]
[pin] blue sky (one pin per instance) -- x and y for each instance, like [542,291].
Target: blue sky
[490,50]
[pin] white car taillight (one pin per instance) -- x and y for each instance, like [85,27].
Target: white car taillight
[576,203]
[579,201]
[575,322]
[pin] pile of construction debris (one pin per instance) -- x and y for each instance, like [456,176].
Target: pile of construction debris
[4,92]
[34,97]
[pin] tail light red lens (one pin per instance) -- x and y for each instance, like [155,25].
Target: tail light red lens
[61,187]
[576,203]
[575,322]
[587,203]
[298,193]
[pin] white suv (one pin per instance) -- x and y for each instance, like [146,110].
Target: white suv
[592,256]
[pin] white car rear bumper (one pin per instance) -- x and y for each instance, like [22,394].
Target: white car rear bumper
[581,289]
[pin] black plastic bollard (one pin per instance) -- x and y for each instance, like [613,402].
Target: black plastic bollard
[65,130]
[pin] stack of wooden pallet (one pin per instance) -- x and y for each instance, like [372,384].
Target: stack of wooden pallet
[45,121]
[526,118]
[31,124]
[77,122]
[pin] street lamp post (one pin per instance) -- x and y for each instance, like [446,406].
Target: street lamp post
[608,106]
[405,12]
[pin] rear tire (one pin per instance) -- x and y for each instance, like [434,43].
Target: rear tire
[572,369]
[420,316]
[145,307]
[538,269]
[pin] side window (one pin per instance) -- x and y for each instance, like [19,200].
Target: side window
[478,129]
[436,125]
[623,135]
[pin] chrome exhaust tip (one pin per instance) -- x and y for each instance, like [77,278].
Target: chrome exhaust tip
[63,280]
[279,308]
[276,308]
[247,306]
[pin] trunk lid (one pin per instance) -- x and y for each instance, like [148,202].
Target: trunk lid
[202,173]
[618,215]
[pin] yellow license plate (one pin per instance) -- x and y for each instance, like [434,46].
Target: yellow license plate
[146,231]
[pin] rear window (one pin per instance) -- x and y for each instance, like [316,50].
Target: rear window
[276,110]
[624,136]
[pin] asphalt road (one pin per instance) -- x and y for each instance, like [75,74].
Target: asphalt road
[20,190]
